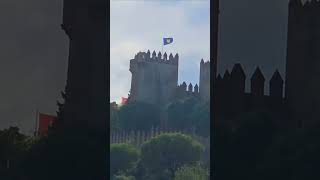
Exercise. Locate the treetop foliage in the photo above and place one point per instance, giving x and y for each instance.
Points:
(123, 157)
(138, 116)
(192, 172)
(168, 152)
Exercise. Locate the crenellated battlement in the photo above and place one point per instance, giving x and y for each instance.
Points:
(205, 64)
(235, 82)
(231, 100)
(189, 89)
(157, 58)
(184, 90)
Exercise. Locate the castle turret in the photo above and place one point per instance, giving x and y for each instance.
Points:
(257, 83)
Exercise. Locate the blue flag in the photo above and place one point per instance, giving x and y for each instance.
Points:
(167, 41)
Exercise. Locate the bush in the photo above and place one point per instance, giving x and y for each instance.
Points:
(195, 172)
(138, 116)
(179, 113)
(123, 157)
(168, 152)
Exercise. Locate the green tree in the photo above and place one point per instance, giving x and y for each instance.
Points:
(180, 113)
(13, 147)
(195, 172)
(200, 116)
(168, 152)
(74, 154)
(123, 157)
(114, 117)
(139, 116)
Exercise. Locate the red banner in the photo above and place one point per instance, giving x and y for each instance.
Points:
(45, 121)
(124, 100)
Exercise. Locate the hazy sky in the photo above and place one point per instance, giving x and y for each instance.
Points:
(141, 25)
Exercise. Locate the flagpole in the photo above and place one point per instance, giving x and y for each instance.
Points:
(162, 49)
(162, 46)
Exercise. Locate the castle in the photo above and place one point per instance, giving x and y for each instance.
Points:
(293, 101)
(155, 79)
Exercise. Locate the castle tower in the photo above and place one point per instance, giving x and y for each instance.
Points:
(85, 24)
(302, 68)
(154, 79)
(204, 82)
